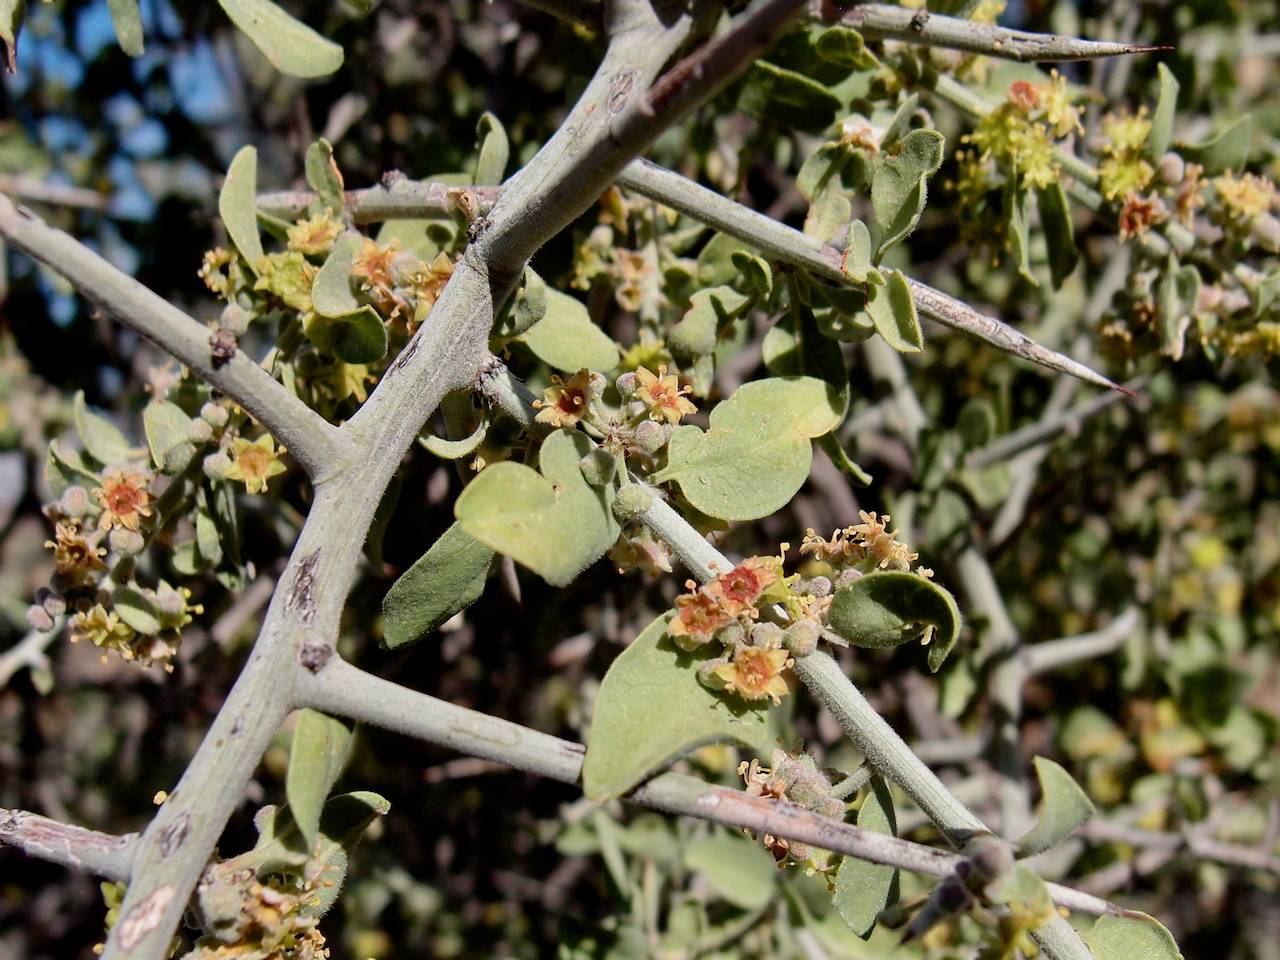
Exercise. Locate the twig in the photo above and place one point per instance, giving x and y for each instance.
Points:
(877, 21)
(1067, 651)
(375, 204)
(41, 191)
(1260, 857)
(29, 652)
(313, 441)
(75, 847)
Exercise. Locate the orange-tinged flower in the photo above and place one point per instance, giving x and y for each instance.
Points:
(76, 556)
(563, 404)
(1024, 95)
(124, 498)
(755, 673)
(373, 264)
(316, 235)
(1139, 214)
(429, 283)
(663, 395)
(698, 616)
(255, 463)
(740, 588)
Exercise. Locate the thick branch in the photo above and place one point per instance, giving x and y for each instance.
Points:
(75, 847)
(34, 190)
(878, 21)
(313, 441)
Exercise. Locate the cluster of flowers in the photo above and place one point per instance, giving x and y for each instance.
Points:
(795, 779)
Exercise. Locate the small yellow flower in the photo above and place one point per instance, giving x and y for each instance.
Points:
(663, 395)
(255, 463)
(316, 235)
(373, 264)
(1062, 116)
(289, 276)
(124, 498)
(428, 284)
(215, 271)
(1245, 198)
(76, 556)
(755, 673)
(103, 629)
(563, 404)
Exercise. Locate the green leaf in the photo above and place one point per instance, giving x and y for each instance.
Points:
(351, 331)
(324, 177)
(831, 445)
(524, 309)
(898, 190)
(894, 314)
(651, 709)
(1162, 120)
(1018, 237)
(696, 332)
(101, 438)
(13, 13)
(126, 17)
(1063, 809)
(1229, 150)
(455, 449)
(137, 610)
(345, 819)
(787, 98)
(65, 467)
(890, 607)
(736, 869)
(567, 340)
(316, 757)
(864, 889)
(449, 577)
(900, 122)
(757, 452)
(1134, 936)
(857, 264)
(828, 215)
(208, 541)
(822, 168)
(167, 428)
(1059, 232)
(236, 206)
(291, 46)
(844, 47)
(755, 271)
(553, 522)
(494, 150)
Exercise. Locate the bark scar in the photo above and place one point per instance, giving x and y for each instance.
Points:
(301, 596)
(144, 918)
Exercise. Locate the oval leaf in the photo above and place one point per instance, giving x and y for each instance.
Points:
(553, 522)
(1064, 808)
(137, 610)
(316, 758)
(449, 577)
(1059, 232)
(324, 177)
(894, 314)
(101, 438)
(236, 206)
(455, 449)
(566, 339)
(290, 45)
(863, 889)
(757, 452)
(167, 429)
(1162, 120)
(126, 17)
(890, 607)
(651, 709)
(1134, 936)
(898, 189)
(494, 150)
(738, 870)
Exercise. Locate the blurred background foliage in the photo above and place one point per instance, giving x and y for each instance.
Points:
(1169, 501)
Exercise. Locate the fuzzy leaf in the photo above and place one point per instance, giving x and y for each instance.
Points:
(494, 150)
(324, 177)
(167, 428)
(1064, 807)
(1134, 936)
(137, 610)
(899, 189)
(1018, 237)
(894, 314)
(208, 543)
(449, 577)
(757, 452)
(890, 607)
(525, 308)
(695, 333)
(844, 47)
(101, 438)
(651, 709)
(316, 757)
(126, 17)
(455, 449)
(1229, 150)
(897, 126)
(12, 15)
(350, 330)
(566, 339)
(292, 47)
(1059, 233)
(735, 868)
(1162, 120)
(553, 522)
(822, 168)
(787, 98)
(65, 467)
(864, 889)
(342, 824)
(236, 206)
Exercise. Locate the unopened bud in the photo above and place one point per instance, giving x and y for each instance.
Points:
(815, 586)
(75, 501)
(990, 858)
(39, 618)
(598, 467)
(1172, 168)
(54, 603)
(626, 385)
(732, 635)
(171, 603)
(801, 638)
(1266, 230)
(126, 542)
(200, 432)
(846, 577)
(405, 269)
(651, 436)
(235, 319)
(215, 415)
(767, 636)
(216, 465)
(631, 501)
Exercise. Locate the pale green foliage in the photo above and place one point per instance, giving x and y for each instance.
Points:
(738, 870)
(1063, 809)
(891, 607)
(566, 339)
(320, 748)
(863, 889)
(237, 206)
(449, 577)
(1131, 938)
(290, 45)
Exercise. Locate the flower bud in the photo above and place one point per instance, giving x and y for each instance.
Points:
(801, 638)
(405, 269)
(171, 603)
(1172, 168)
(651, 436)
(815, 586)
(767, 636)
(54, 604)
(215, 415)
(216, 465)
(1266, 230)
(39, 618)
(989, 858)
(75, 501)
(598, 467)
(235, 319)
(631, 501)
(846, 577)
(126, 542)
(626, 385)
(732, 634)
(200, 432)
